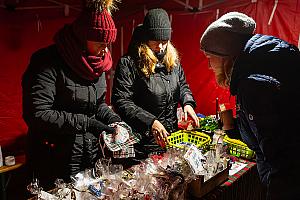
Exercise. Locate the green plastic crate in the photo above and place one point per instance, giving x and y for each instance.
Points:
(201, 140)
(238, 148)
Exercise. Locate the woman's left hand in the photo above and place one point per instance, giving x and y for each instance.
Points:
(188, 110)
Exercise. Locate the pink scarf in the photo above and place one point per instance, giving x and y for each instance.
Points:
(85, 66)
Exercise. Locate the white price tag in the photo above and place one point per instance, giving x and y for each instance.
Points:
(194, 157)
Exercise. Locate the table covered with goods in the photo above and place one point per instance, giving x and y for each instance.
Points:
(195, 163)
(242, 183)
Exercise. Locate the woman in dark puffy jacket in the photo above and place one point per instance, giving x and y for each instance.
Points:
(149, 82)
(262, 72)
(64, 91)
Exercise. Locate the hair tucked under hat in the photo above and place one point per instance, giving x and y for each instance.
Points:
(227, 35)
(157, 25)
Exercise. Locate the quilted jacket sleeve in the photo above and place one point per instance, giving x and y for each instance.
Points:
(122, 97)
(106, 114)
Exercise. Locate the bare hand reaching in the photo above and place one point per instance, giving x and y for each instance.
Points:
(160, 133)
(188, 110)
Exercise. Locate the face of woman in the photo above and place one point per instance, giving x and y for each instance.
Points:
(97, 48)
(157, 46)
(214, 62)
(221, 67)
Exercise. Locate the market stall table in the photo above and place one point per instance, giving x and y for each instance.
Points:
(5, 173)
(243, 185)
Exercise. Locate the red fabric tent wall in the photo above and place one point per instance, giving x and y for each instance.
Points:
(19, 38)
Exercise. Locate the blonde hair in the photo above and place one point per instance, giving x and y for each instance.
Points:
(223, 73)
(148, 60)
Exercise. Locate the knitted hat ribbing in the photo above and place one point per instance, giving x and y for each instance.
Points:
(101, 27)
(157, 25)
(227, 35)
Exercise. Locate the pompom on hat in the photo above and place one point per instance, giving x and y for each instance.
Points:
(157, 25)
(227, 35)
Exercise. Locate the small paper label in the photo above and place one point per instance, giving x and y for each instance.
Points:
(194, 157)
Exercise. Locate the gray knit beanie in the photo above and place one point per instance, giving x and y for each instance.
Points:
(157, 25)
(228, 35)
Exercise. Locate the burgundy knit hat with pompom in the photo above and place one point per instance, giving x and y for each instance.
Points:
(95, 22)
(101, 27)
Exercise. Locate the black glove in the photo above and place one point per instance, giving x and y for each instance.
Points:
(96, 127)
(115, 118)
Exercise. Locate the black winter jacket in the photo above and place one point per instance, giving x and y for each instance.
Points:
(57, 105)
(140, 100)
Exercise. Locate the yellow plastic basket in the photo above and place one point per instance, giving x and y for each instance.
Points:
(238, 148)
(200, 139)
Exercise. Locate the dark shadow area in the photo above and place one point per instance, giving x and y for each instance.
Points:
(15, 181)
